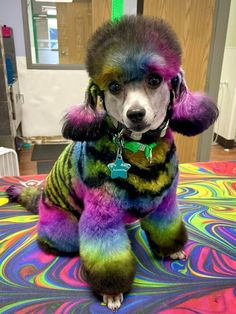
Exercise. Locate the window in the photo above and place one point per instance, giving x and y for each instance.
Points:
(57, 32)
(45, 44)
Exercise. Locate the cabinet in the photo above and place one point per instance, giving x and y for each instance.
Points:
(10, 98)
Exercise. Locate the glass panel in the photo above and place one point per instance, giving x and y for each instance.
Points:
(46, 41)
(59, 31)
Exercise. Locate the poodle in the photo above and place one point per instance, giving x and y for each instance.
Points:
(122, 164)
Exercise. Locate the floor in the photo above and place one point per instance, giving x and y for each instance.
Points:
(219, 153)
(28, 167)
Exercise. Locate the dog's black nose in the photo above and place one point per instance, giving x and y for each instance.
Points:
(136, 114)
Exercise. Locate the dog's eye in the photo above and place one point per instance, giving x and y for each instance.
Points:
(115, 88)
(154, 80)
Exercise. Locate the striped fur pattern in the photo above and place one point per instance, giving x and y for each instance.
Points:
(81, 197)
(82, 210)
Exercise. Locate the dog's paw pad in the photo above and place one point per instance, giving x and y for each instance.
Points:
(178, 255)
(113, 302)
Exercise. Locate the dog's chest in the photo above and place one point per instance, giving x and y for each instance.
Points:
(146, 181)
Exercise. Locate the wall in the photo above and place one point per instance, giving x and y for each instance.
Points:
(231, 37)
(10, 14)
(47, 96)
(130, 7)
(226, 124)
(47, 93)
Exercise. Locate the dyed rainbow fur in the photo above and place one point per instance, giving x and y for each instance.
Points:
(82, 210)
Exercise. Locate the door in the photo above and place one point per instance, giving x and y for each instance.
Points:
(192, 20)
(75, 22)
(101, 12)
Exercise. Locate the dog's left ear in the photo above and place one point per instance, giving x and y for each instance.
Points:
(192, 112)
(86, 122)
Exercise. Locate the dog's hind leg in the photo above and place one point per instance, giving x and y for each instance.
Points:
(104, 246)
(57, 230)
(165, 229)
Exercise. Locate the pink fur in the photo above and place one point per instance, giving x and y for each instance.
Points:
(83, 115)
(193, 112)
(83, 123)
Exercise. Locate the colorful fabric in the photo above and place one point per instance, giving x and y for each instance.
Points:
(33, 282)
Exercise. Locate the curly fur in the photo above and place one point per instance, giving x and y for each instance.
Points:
(82, 209)
(147, 38)
(152, 47)
(193, 113)
(82, 123)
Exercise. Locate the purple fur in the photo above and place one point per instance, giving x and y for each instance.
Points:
(166, 72)
(82, 123)
(171, 65)
(101, 209)
(167, 209)
(63, 230)
(83, 115)
(13, 193)
(192, 112)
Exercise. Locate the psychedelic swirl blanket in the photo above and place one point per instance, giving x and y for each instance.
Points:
(33, 282)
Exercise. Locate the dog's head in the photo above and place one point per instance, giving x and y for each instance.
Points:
(134, 66)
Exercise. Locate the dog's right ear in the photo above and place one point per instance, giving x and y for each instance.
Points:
(85, 122)
(192, 112)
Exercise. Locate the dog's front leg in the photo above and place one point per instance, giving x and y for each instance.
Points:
(165, 229)
(105, 248)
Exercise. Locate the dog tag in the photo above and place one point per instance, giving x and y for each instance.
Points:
(119, 168)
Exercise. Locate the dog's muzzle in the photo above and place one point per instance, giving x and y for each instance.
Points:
(136, 115)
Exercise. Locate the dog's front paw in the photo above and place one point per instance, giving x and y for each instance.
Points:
(113, 302)
(178, 255)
